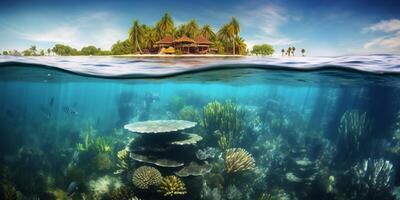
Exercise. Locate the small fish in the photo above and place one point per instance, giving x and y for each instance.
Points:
(72, 188)
(70, 111)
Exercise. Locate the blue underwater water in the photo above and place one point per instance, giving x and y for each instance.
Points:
(269, 128)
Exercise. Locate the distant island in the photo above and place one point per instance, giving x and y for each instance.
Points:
(164, 38)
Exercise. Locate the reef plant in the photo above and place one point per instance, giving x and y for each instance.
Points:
(189, 113)
(172, 186)
(145, 177)
(238, 160)
(226, 119)
(373, 178)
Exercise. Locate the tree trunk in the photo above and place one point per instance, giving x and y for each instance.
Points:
(233, 45)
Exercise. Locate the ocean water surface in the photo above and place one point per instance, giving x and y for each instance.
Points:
(200, 128)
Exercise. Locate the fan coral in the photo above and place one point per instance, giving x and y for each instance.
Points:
(353, 126)
(172, 185)
(237, 160)
(146, 176)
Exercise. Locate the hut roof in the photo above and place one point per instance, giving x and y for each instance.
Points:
(184, 39)
(202, 40)
(166, 40)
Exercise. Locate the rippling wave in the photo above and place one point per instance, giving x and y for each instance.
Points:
(130, 67)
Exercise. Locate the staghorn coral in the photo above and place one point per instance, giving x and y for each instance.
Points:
(145, 177)
(237, 160)
(172, 186)
(123, 193)
(103, 185)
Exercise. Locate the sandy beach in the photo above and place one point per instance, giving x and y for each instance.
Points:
(179, 56)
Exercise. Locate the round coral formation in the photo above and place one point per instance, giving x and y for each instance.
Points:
(145, 177)
(172, 186)
(237, 160)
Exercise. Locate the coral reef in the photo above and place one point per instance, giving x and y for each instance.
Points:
(122, 164)
(123, 193)
(172, 186)
(145, 177)
(103, 185)
(206, 153)
(373, 178)
(238, 160)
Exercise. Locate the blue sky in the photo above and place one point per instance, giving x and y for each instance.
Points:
(323, 27)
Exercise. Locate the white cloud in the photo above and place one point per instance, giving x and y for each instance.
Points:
(390, 41)
(267, 19)
(89, 29)
(386, 26)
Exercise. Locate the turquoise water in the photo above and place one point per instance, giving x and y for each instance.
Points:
(311, 128)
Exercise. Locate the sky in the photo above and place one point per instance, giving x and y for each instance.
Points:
(322, 27)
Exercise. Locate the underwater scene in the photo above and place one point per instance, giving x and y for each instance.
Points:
(231, 132)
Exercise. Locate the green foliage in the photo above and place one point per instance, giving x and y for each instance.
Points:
(263, 49)
(121, 48)
(64, 50)
(90, 50)
(5, 52)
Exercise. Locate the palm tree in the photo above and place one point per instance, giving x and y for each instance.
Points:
(234, 30)
(192, 29)
(241, 46)
(165, 26)
(289, 50)
(48, 51)
(149, 37)
(33, 49)
(303, 51)
(283, 51)
(207, 32)
(136, 36)
(293, 49)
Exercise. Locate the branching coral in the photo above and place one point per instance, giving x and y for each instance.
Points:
(172, 186)
(225, 118)
(237, 160)
(7, 192)
(122, 164)
(145, 177)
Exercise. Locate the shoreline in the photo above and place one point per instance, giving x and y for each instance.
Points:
(180, 56)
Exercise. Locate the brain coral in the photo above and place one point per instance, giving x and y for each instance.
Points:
(146, 176)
